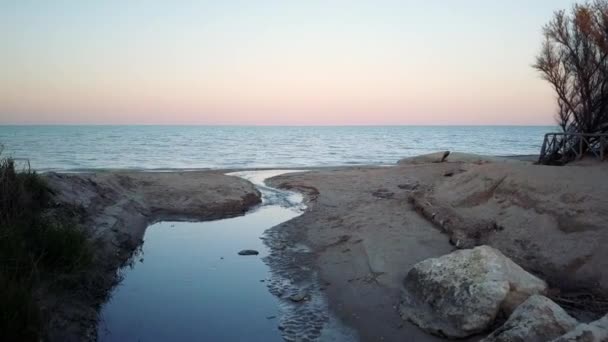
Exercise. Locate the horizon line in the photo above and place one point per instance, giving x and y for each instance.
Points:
(278, 125)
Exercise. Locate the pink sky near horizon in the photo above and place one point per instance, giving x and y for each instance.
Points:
(281, 63)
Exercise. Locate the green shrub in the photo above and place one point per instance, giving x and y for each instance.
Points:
(40, 245)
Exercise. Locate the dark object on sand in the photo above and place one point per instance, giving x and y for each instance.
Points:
(383, 193)
(249, 252)
(445, 156)
(408, 186)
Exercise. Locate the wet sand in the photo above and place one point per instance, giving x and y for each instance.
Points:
(365, 236)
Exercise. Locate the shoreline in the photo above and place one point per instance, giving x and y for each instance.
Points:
(365, 227)
(519, 157)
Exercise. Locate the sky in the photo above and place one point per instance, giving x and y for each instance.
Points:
(431, 62)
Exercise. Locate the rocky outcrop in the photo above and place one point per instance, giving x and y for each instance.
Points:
(461, 294)
(593, 332)
(538, 319)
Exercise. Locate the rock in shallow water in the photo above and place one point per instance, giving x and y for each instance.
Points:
(249, 252)
(298, 297)
(460, 294)
(538, 319)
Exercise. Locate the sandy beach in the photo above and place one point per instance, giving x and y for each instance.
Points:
(304, 171)
(365, 236)
(369, 226)
(365, 228)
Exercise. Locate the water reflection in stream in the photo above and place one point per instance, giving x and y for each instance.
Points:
(188, 283)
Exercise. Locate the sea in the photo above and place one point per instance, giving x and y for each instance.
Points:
(85, 148)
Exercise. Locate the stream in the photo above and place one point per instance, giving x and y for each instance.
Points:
(189, 283)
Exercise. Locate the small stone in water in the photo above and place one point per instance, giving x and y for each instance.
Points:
(298, 297)
(249, 252)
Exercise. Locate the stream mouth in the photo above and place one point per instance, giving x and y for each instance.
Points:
(188, 282)
(293, 201)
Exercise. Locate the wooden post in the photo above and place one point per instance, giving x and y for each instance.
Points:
(543, 149)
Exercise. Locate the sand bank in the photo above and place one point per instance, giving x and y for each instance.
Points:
(368, 226)
(364, 235)
(550, 220)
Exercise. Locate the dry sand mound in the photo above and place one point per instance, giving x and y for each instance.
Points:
(550, 220)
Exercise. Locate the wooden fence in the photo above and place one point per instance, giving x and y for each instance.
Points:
(560, 148)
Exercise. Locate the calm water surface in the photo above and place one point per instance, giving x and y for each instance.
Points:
(191, 147)
(191, 285)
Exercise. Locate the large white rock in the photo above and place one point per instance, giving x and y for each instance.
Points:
(593, 332)
(538, 319)
(460, 294)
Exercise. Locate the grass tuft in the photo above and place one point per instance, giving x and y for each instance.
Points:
(39, 244)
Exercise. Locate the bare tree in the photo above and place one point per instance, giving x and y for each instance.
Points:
(574, 60)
